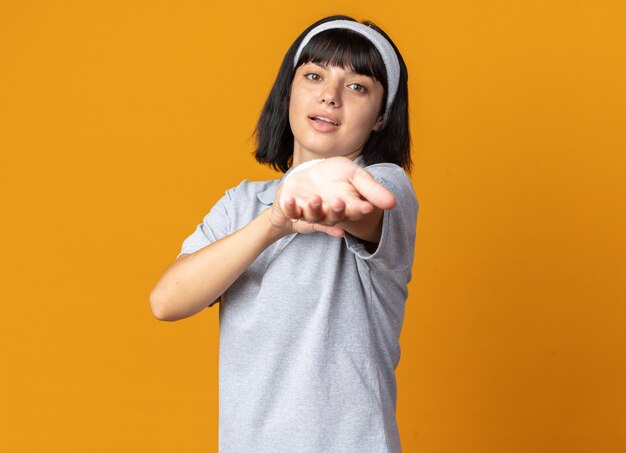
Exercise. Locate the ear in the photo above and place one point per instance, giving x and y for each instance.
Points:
(379, 124)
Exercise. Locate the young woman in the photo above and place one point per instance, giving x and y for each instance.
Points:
(312, 269)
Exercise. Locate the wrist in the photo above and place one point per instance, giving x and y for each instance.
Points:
(275, 229)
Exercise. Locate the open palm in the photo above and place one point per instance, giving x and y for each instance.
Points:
(332, 191)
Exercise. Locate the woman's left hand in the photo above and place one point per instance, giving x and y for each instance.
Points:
(332, 191)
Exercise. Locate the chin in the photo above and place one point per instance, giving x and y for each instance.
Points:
(318, 147)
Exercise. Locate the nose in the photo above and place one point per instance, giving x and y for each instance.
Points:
(330, 94)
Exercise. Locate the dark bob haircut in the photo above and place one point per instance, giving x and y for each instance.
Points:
(346, 49)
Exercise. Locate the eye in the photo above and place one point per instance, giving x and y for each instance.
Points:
(312, 76)
(358, 87)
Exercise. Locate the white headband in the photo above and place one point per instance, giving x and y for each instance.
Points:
(390, 59)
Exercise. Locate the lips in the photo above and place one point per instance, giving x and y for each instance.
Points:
(325, 118)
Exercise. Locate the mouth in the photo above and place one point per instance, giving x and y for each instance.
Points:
(324, 119)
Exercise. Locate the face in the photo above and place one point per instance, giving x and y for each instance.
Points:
(332, 111)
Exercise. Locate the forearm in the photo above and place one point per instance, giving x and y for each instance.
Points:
(192, 282)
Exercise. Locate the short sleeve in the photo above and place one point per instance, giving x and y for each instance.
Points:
(395, 249)
(214, 226)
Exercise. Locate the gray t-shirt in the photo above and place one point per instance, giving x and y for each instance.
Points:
(309, 332)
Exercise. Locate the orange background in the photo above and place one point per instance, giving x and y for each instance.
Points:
(122, 122)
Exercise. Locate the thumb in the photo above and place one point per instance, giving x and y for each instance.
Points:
(372, 190)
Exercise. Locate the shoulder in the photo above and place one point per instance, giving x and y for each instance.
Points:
(247, 190)
(247, 186)
(388, 171)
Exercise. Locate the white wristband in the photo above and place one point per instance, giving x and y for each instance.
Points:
(302, 166)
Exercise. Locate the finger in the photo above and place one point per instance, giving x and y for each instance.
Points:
(372, 190)
(366, 207)
(334, 230)
(313, 211)
(291, 209)
(357, 209)
(335, 212)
